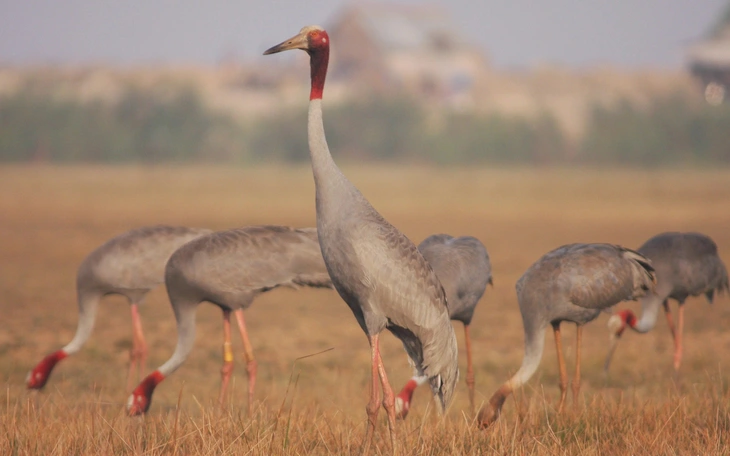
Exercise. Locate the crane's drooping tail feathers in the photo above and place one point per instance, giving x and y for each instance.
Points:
(644, 274)
(429, 354)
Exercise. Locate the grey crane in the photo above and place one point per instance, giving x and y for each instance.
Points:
(377, 270)
(130, 265)
(572, 283)
(230, 269)
(463, 268)
(687, 264)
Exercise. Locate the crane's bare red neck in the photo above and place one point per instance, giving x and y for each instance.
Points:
(149, 384)
(319, 56)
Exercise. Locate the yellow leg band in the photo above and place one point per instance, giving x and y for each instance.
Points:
(227, 352)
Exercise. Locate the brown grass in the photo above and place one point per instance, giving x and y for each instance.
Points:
(50, 218)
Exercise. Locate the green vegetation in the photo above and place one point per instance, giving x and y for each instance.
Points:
(174, 124)
(142, 126)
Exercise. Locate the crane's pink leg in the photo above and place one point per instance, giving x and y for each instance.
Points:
(251, 365)
(227, 368)
(374, 405)
(678, 339)
(138, 352)
(561, 366)
(388, 402)
(469, 369)
(576, 379)
(670, 322)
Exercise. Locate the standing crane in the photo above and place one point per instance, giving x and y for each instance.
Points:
(130, 265)
(230, 269)
(687, 264)
(463, 268)
(572, 283)
(377, 270)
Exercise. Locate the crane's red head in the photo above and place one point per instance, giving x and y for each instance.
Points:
(38, 377)
(316, 42)
(141, 398)
(618, 322)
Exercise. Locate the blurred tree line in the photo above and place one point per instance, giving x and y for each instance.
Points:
(149, 126)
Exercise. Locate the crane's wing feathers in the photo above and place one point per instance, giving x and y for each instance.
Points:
(255, 258)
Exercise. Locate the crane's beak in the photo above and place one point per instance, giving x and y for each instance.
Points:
(616, 327)
(612, 344)
(299, 41)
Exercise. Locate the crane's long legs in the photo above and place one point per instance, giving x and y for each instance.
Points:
(561, 366)
(576, 379)
(251, 365)
(227, 368)
(138, 352)
(388, 402)
(678, 338)
(670, 322)
(469, 369)
(374, 405)
(676, 332)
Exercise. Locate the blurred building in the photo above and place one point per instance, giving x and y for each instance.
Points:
(413, 49)
(709, 60)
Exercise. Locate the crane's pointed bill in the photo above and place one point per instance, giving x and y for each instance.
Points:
(299, 41)
(613, 343)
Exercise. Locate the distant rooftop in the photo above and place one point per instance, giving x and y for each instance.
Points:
(407, 27)
(714, 51)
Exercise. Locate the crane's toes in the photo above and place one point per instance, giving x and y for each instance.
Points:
(401, 408)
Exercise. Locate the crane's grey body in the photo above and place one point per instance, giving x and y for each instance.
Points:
(231, 268)
(463, 268)
(687, 264)
(130, 265)
(576, 282)
(572, 283)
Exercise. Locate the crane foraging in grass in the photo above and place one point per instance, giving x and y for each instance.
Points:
(377, 270)
(571, 283)
(463, 268)
(130, 265)
(686, 264)
(230, 269)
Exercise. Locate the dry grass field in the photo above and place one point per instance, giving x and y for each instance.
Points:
(51, 217)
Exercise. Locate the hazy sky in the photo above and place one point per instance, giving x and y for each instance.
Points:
(513, 32)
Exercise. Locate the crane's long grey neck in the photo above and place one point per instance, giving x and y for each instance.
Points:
(322, 162)
(534, 346)
(327, 176)
(649, 312)
(88, 303)
(185, 316)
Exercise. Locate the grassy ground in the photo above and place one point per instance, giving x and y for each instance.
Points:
(50, 218)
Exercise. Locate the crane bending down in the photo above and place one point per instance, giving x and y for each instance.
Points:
(230, 269)
(463, 268)
(687, 264)
(571, 283)
(130, 265)
(377, 270)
